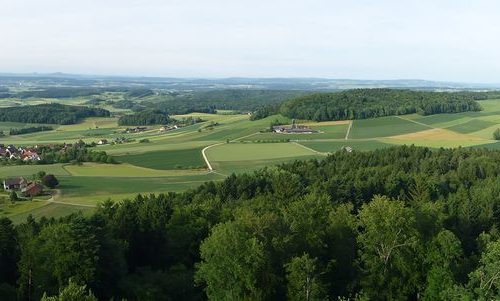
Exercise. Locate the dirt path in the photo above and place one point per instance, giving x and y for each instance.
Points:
(310, 149)
(420, 123)
(203, 152)
(54, 197)
(349, 130)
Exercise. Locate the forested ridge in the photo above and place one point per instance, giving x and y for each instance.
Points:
(148, 117)
(205, 101)
(370, 103)
(404, 223)
(50, 113)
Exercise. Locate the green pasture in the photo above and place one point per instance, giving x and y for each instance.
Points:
(471, 126)
(383, 127)
(169, 159)
(333, 146)
(48, 210)
(75, 189)
(255, 151)
(29, 170)
(228, 167)
(124, 170)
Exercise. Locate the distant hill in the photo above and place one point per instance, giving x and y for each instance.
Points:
(369, 103)
(35, 80)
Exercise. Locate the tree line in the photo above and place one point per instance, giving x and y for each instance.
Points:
(371, 103)
(50, 113)
(27, 130)
(147, 117)
(404, 223)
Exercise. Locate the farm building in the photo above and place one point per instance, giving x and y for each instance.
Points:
(33, 189)
(293, 129)
(138, 129)
(14, 183)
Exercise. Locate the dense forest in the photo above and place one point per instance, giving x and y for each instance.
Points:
(50, 114)
(148, 117)
(404, 223)
(370, 103)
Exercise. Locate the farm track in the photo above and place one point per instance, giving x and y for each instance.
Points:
(416, 122)
(349, 130)
(52, 200)
(203, 152)
(310, 149)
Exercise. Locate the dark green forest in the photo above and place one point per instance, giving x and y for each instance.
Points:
(371, 103)
(404, 223)
(148, 117)
(50, 113)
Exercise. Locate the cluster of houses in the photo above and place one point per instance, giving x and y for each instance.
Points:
(19, 153)
(138, 129)
(293, 129)
(118, 140)
(26, 188)
(164, 129)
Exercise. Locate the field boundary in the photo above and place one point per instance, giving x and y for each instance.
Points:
(52, 200)
(349, 130)
(308, 148)
(416, 122)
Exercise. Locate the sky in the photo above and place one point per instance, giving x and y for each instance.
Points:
(446, 40)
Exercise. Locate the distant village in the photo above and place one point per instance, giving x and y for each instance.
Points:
(25, 154)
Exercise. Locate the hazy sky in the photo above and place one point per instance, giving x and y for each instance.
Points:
(454, 40)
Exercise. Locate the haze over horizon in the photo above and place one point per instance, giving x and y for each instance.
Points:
(445, 41)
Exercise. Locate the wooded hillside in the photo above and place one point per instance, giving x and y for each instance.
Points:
(369, 103)
(50, 113)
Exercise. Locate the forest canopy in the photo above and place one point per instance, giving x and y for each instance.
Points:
(50, 114)
(148, 117)
(370, 103)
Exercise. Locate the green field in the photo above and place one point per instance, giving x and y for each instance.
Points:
(333, 146)
(169, 159)
(383, 127)
(173, 161)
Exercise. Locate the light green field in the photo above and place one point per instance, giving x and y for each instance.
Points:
(171, 161)
(333, 146)
(255, 151)
(124, 170)
(383, 127)
(28, 170)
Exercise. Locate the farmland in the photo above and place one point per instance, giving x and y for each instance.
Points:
(173, 160)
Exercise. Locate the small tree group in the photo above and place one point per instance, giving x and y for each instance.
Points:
(50, 181)
(496, 134)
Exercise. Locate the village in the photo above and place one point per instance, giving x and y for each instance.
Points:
(25, 154)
